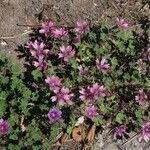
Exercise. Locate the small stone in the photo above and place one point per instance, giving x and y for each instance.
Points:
(3, 43)
(111, 146)
(99, 143)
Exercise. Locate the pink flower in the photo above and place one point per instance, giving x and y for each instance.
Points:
(148, 51)
(77, 38)
(46, 28)
(141, 97)
(90, 112)
(120, 131)
(4, 127)
(40, 64)
(121, 24)
(34, 85)
(98, 91)
(63, 97)
(85, 94)
(66, 53)
(81, 27)
(92, 93)
(37, 49)
(83, 71)
(59, 33)
(144, 133)
(102, 65)
(29, 45)
(53, 82)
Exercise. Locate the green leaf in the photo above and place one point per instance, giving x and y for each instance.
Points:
(139, 115)
(120, 118)
(92, 35)
(36, 74)
(99, 121)
(114, 62)
(12, 120)
(69, 129)
(73, 63)
(13, 136)
(51, 68)
(15, 70)
(4, 80)
(53, 133)
(3, 104)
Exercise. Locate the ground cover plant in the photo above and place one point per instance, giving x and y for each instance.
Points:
(78, 80)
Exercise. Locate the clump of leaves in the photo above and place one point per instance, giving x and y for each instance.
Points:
(76, 78)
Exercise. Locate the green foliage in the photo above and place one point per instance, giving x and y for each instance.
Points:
(120, 117)
(26, 106)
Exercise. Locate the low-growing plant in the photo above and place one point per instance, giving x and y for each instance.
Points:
(77, 79)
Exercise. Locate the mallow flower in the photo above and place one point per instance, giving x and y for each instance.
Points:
(90, 112)
(121, 24)
(148, 51)
(4, 127)
(144, 134)
(54, 114)
(46, 28)
(63, 96)
(37, 49)
(53, 82)
(83, 71)
(141, 97)
(40, 64)
(59, 33)
(66, 52)
(119, 132)
(92, 93)
(81, 27)
(102, 65)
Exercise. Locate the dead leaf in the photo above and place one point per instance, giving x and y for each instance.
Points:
(77, 134)
(23, 128)
(56, 144)
(91, 134)
(64, 138)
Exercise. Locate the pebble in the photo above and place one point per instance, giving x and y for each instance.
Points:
(3, 43)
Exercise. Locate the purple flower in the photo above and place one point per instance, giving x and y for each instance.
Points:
(83, 71)
(53, 82)
(90, 112)
(81, 27)
(98, 91)
(121, 24)
(144, 133)
(66, 53)
(148, 51)
(102, 65)
(141, 97)
(46, 28)
(40, 64)
(120, 131)
(63, 96)
(54, 114)
(4, 127)
(59, 33)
